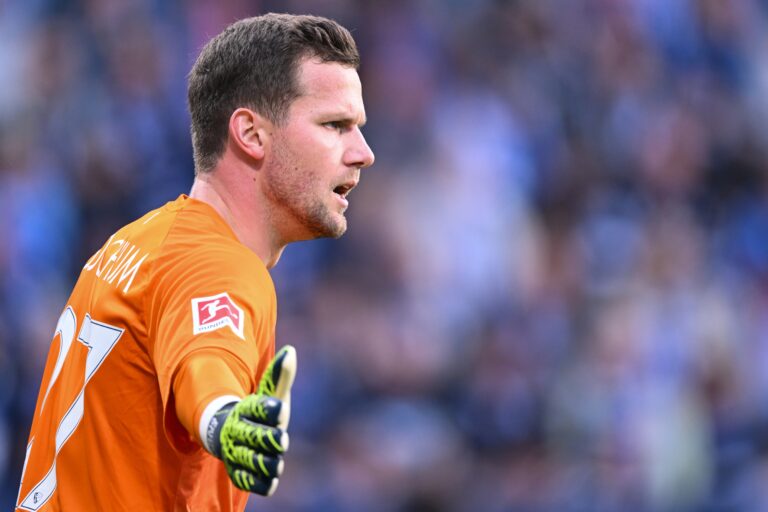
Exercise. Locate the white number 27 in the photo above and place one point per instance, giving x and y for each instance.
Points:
(100, 339)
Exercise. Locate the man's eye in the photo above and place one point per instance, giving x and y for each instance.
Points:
(339, 126)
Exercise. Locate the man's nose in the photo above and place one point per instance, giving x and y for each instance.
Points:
(359, 154)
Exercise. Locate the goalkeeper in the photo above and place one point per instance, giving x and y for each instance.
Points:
(160, 391)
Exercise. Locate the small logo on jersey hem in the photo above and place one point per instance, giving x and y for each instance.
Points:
(215, 312)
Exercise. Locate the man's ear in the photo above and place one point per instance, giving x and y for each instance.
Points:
(249, 133)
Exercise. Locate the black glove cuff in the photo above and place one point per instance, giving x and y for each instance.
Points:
(213, 432)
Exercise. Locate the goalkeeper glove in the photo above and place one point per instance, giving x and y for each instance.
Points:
(250, 436)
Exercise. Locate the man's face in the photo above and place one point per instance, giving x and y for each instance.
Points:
(317, 153)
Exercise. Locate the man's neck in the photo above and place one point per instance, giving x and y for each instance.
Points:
(239, 208)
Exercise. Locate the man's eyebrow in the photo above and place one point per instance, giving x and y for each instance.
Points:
(350, 120)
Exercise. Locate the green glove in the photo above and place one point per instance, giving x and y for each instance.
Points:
(250, 435)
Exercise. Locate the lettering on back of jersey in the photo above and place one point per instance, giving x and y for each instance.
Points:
(122, 263)
(215, 312)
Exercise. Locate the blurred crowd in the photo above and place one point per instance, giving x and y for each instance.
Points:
(553, 295)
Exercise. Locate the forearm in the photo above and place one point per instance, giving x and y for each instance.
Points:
(248, 433)
(204, 382)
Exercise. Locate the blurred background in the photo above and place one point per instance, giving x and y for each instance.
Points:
(553, 295)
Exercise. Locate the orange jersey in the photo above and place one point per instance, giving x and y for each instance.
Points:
(165, 296)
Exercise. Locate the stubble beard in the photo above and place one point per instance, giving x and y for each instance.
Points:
(297, 194)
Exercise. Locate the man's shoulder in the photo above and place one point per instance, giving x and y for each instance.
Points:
(184, 227)
(198, 232)
(197, 241)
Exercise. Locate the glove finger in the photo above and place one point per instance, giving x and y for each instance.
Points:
(261, 409)
(269, 467)
(259, 437)
(261, 464)
(278, 379)
(247, 480)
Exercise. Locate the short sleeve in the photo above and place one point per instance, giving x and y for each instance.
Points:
(217, 298)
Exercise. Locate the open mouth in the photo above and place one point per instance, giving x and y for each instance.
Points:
(344, 189)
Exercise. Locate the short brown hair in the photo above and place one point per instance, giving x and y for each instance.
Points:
(253, 63)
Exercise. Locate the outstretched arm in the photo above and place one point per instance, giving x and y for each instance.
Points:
(248, 434)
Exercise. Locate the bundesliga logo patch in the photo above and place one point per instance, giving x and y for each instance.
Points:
(211, 313)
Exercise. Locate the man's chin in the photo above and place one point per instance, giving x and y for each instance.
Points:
(333, 227)
(339, 233)
(338, 229)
